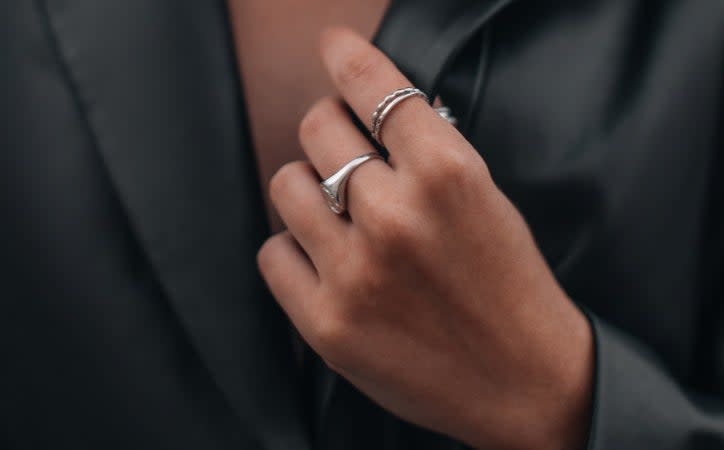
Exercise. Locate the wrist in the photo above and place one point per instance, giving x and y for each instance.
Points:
(571, 415)
(551, 401)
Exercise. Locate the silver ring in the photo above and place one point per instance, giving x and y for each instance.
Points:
(446, 114)
(334, 188)
(389, 102)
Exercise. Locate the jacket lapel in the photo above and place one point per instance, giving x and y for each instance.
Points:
(157, 83)
(423, 38)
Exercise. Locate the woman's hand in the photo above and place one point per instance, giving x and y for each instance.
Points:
(431, 296)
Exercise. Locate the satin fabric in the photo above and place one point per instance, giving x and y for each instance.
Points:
(133, 313)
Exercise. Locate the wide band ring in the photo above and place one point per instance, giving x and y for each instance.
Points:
(334, 188)
(394, 99)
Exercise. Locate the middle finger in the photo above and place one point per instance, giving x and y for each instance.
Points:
(413, 132)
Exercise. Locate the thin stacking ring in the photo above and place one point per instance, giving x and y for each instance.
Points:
(389, 102)
(334, 188)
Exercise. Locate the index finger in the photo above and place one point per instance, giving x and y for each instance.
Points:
(364, 76)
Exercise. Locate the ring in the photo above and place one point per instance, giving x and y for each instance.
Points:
(334, 188)
(391, 101)
(446, 114)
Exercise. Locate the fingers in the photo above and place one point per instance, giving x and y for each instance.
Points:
(295, 192)
(289, 275)
(364, 76)
(331, 140)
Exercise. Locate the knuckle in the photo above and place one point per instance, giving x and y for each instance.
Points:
(361, 278)
(454, 170)
(357, 66)
(347, 276)
(265, 255)
(314, 120)
(329, 334)
(310, 125)
(282, 181)
(451, 170)
(370, 285)
(391, 226)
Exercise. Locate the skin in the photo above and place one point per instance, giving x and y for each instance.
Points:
(277, 49)
(431, 295)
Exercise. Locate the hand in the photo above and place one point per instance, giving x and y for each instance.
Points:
(431, 296)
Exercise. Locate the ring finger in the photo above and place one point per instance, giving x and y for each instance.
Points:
(294, 190)
(330, 139)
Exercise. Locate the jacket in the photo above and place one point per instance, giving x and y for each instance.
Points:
(133, 315)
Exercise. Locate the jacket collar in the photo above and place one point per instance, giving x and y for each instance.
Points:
(158, 86)
(423, 37)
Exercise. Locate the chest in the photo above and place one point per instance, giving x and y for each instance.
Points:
(276, 45)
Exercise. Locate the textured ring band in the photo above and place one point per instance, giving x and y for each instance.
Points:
(388, 104)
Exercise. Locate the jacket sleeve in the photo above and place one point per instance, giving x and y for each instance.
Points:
(637, 405)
